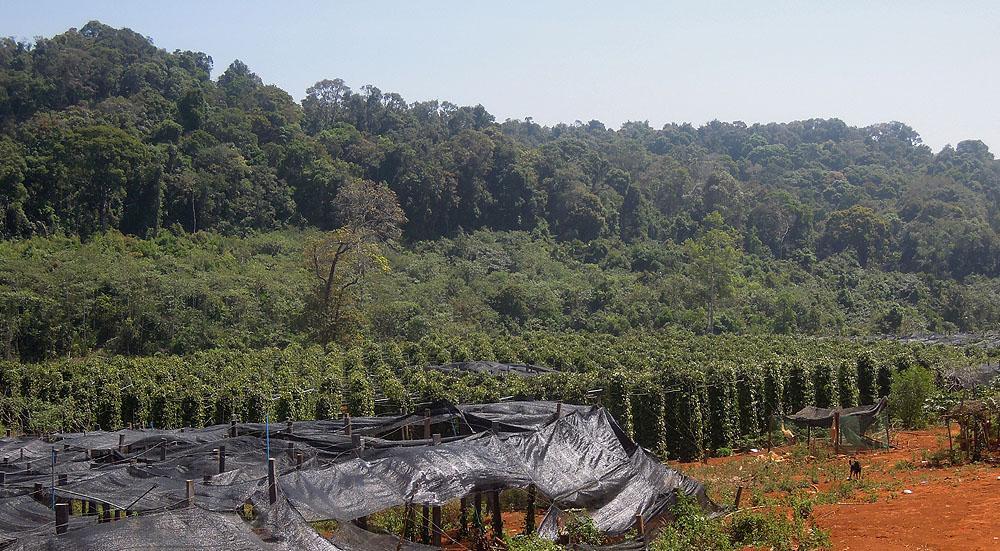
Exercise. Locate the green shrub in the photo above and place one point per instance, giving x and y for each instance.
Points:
(910, 391)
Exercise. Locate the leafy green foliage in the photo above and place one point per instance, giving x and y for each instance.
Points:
(910, 391)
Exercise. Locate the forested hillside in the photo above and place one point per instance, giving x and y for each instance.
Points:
(146, 208)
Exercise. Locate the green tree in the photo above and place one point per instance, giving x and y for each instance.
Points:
(714, 257)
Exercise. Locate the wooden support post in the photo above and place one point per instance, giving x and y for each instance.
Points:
(477, 505)
(406, 527)
(558, 410)
(188, 491)
(427, 424)
(640, 528)
(425, 524)
(163, 449)
(529, 514)
(436, 526)
(347, 424)
(288, 428)
(836, 432)
(887, 421)
(62, 517)
(410, 522)
(222, 459)
(358, 444)
(951, 448)
(272, 483)
(233, 431)
(497, 515)
(770, 432)
(436, 511)
(298, 460)
(39, 493)
(463, 518)
(290, 450)
(739, 498)
(809, 437)
(106, 512)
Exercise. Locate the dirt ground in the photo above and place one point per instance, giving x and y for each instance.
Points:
(949, 507)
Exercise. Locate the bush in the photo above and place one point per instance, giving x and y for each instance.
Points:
(910, 391)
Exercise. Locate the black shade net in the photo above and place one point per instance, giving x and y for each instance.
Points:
(577, 457)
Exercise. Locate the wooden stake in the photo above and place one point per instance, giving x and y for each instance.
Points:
(836, 432)
(410, 522)
(951, 449)
(463, 518)
(739, 498)
(497, 515)
(436, 511)
(407, 526)
(436, 526)
(427, 424)
(163, 449)
(272, 485)
(887, 420)
(222, 459)
(425, 524)
(640, 528)
(529, 514)
(189, 491)
(358, 443)
(62, 517)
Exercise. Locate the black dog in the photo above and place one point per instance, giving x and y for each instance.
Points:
(855, 470)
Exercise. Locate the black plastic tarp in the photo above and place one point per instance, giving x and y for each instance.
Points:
(823, 417)
(576, 456)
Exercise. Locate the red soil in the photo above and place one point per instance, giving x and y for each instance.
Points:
(950, 508)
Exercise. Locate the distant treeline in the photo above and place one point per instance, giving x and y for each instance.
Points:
(809, 226)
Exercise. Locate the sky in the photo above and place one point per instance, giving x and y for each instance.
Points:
(932, 65)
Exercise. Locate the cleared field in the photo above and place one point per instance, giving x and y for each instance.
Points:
(950, 507)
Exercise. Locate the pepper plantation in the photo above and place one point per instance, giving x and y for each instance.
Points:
(677, 394)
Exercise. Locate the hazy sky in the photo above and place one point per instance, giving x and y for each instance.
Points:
(933, 65)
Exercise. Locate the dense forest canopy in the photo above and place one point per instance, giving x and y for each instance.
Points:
(810, 226)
